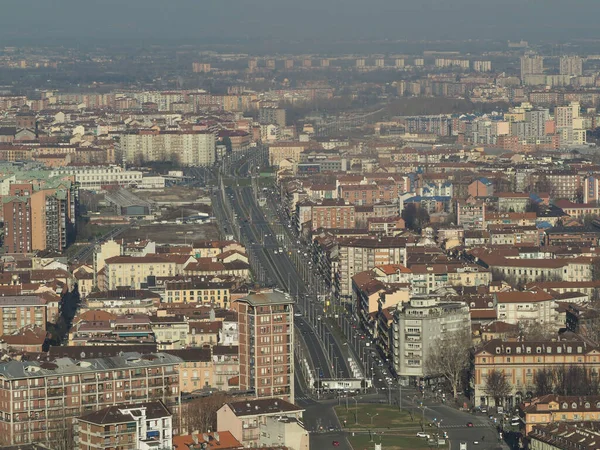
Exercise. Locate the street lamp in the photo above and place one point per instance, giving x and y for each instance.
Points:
(372, 416)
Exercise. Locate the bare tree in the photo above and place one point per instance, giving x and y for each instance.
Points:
(63, 437)
(535, 331)
(201, 414)
(543, 382)
(497, 386)
(449, 357)
(566, 380)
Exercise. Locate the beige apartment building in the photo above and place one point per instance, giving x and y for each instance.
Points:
(132, 271)
(19, 311)
(255, 423)
(188, 148)
(217, 294)
(286, 150)
(520, 361)
(361, 254)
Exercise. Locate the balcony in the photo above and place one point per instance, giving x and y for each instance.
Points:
(56, 392)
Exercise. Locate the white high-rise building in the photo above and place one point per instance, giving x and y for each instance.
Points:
(531, 65)
(571, 65)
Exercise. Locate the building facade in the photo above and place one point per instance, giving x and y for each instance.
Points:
(416, 328)
(39, 399)
(266, 344)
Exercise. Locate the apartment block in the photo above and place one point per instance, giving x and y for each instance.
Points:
(267, 115)
(188, 148)
(39, 399)
(416, 327)
(571, 65)
(140, 426)
(213, 293)
(361, 254)
(266, 344)
(249, 420)
(531, 65)
(38, 217)
(133, 272)
(19, 311)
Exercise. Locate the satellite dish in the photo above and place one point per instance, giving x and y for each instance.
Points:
(82, 354)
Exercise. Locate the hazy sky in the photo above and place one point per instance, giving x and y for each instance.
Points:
(289, 19)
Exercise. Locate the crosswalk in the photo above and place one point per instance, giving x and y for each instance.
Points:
(475, 425)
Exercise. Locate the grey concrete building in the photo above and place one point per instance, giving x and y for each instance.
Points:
(416, 327)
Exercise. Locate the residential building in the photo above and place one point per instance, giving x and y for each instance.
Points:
(188, 148)
(133, 272)
(326, 214)
(571, 65)
(20, 311)
(361, 254)
(248, 420)
(531, 65)
(268, 115)
(266, 348)
(38, 217)
(196, 370)
(509, 202)
(428, 278)
(203, 334)
(197, 291)
(416, 327)
(226, 366)
(558, 436)
(535, 306)
(280, 151)
(520, 360)
(122, 301)
(559, 409)
(39, 398)
(170, 332)
(140, 426)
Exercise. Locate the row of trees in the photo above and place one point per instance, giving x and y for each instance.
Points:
(560, 380)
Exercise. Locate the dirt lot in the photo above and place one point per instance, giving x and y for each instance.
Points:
(174, 194)
(174, 234)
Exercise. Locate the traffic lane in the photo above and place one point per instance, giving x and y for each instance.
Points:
(454, 422)
(314, 347)
(326, 440)
(325, 428)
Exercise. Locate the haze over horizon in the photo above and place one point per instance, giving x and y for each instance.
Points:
(553, 20)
